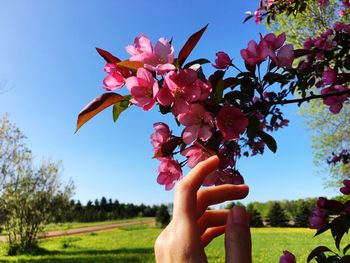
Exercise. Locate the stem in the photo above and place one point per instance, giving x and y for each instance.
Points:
(236, 67)
(312, 97)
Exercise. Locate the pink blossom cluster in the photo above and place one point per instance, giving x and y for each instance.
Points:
(331, 79)
(218, 115)
(270, 46)
(269, 8)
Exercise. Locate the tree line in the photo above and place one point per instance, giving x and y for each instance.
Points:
(107, 209)
(287, 213)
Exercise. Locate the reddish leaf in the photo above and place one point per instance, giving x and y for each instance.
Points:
(190, 44)
(97, 105)
(107, 56)
(301, 52)
(130, 65)
(247, 18)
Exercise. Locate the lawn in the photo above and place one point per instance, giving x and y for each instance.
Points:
(135, 244)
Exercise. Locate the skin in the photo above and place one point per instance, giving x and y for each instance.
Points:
(193, 226)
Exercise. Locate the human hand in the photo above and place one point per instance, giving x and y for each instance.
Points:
(193, 226)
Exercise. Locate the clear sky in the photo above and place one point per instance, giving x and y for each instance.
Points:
(51, 71)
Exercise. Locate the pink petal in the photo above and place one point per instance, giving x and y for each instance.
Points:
(190, 134)
(164, 97)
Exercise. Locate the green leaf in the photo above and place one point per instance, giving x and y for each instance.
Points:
(317, 251)
(121, 106)
(269, 140)
(219, 91)
(346, 248)
(200, 61)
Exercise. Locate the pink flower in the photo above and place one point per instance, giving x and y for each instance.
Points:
(269, 2)
(335, 102)
(339, 26)
(287, 257)
(226, 157)
(198, 124)
(255, 53)
(160, 59)
(219, 177)
(274, 42)
(258, 17)
(329, 76)
(160, 136)
(346, 189)
(196, 154)
(222, 61)
(169, 172)
(143, 88)
(231, 122)
(285, 56)
(323, 2)
(318, 219)
(115, 78)
(181, 89)
(341, 13)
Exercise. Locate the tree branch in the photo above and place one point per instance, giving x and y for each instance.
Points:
(312, 97)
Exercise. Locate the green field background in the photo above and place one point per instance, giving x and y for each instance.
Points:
(135, 244)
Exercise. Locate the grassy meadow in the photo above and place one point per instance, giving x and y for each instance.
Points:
(135, 244)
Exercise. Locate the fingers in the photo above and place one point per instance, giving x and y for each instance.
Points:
(212, 233)
(186, 191)
(197, 175)
(212, 218)
(219, 194)
(237, 237)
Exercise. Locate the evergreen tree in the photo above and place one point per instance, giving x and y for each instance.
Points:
(163, 216)
(302, 216)
(277, 216)
(256, 220)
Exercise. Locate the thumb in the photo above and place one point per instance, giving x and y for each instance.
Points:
(238, 245)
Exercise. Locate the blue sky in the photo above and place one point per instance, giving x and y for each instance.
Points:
(51, 71)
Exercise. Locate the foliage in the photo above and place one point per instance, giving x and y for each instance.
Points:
(231, 116)
(29, 197)
(328, 131)
(304, 20)
(163, 216)
(302, 215)
(277, 216)
(102, 210)
(256, 219)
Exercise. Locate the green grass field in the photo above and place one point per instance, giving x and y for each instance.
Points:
(65, 226)
(135, 244)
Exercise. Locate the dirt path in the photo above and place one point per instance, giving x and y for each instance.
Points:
(88, 229)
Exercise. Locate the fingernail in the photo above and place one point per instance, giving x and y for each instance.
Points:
(239, 215)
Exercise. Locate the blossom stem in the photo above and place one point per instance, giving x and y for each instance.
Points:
(312, 97)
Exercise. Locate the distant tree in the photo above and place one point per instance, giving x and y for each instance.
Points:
(302, 216)
(30, 197)
(97, 204)
(277, 216)
(256, 220)
(103, 204)
(162, 215)
(232, 204)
